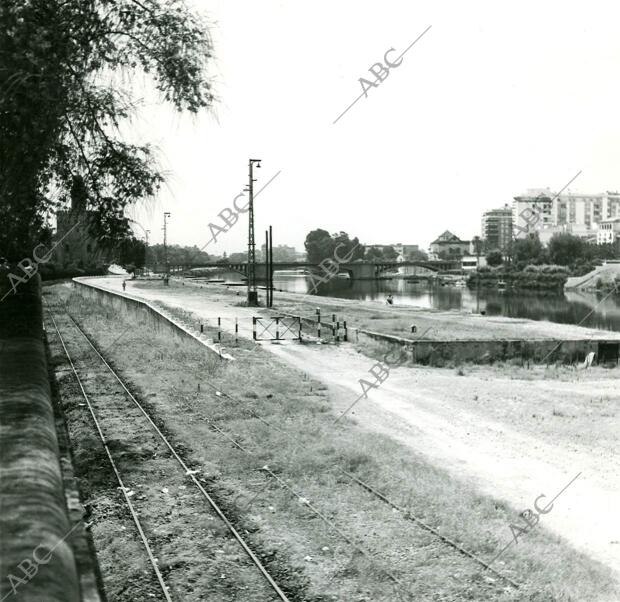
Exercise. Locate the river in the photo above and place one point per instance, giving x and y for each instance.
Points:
(599, 310)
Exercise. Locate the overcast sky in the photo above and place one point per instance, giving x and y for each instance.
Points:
(495, 98)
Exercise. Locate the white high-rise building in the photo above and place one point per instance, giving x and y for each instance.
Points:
(542, 211)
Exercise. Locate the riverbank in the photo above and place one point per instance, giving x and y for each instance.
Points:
(605, 277)
(431, 324)
(467, 478)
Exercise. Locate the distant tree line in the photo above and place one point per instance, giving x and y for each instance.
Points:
(320, 244)
(526, 263)
(177, 255)
(564, 249)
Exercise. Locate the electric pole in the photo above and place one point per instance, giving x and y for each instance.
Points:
(166, 216)
(252, 293)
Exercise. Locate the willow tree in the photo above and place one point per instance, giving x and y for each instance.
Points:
(62, 108)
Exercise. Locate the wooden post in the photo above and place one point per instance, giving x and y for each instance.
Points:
(219, 330)
(318, 322)
(236, 331)
(346, 334)
(277, 329)
(254, 327)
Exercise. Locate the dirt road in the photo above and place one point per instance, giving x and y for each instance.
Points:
(477, 426)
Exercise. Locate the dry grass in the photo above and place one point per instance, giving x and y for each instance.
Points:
(304, 447)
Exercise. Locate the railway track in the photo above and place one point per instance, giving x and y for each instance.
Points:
(117, 416)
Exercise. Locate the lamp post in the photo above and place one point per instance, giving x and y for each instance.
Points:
(252, 293)
(146, 250)
(166, 216)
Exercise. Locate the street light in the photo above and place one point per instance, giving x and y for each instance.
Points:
(146, 250)
(252, 293)
(166, 216)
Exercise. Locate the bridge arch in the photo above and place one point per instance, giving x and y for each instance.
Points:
(418, 268)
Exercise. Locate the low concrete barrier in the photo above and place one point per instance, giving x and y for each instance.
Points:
(546, 351)
(37, 562)
(144, 313)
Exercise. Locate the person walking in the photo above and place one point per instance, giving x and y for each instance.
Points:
(124, 284)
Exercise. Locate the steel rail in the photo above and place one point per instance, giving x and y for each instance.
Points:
(405, 513)
(190, 473)
(134, 515)
(409, 516)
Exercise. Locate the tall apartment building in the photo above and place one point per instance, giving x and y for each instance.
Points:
(540, 210)
(497, 228)
(532, 211)
(586, 209)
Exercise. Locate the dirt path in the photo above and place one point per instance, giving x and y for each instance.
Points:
(430, 410)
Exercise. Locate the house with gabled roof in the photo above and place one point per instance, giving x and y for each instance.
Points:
(448, 245)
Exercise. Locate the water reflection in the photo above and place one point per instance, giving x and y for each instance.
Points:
(589, 309)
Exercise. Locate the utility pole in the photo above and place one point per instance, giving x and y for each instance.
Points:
(477, 248)
(252, 293)
(267, 268)
(166, 216)
(270, 271)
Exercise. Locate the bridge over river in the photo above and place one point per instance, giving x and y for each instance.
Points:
(358, 270)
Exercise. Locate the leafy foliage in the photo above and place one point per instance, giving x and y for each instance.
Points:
(529, 250)
(550, 277)
(495, 258)
(321, 245)
(566, 248)
(62, 105)
(389, 253)
(177, 255)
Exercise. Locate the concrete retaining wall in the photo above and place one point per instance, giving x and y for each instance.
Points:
(144, 315)
(547, 351)
(37, 562)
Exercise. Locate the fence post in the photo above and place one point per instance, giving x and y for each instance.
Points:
(277, 329)
(219, 330)
(333, 326)
(254, 327)
(338, 332)
(202, 329)
(346, 334)
(236, 331)
(299, 318)
(318, 322)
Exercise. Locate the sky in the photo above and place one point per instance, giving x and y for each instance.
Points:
(495, 98)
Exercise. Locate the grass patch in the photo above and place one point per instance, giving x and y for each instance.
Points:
(284, 421)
